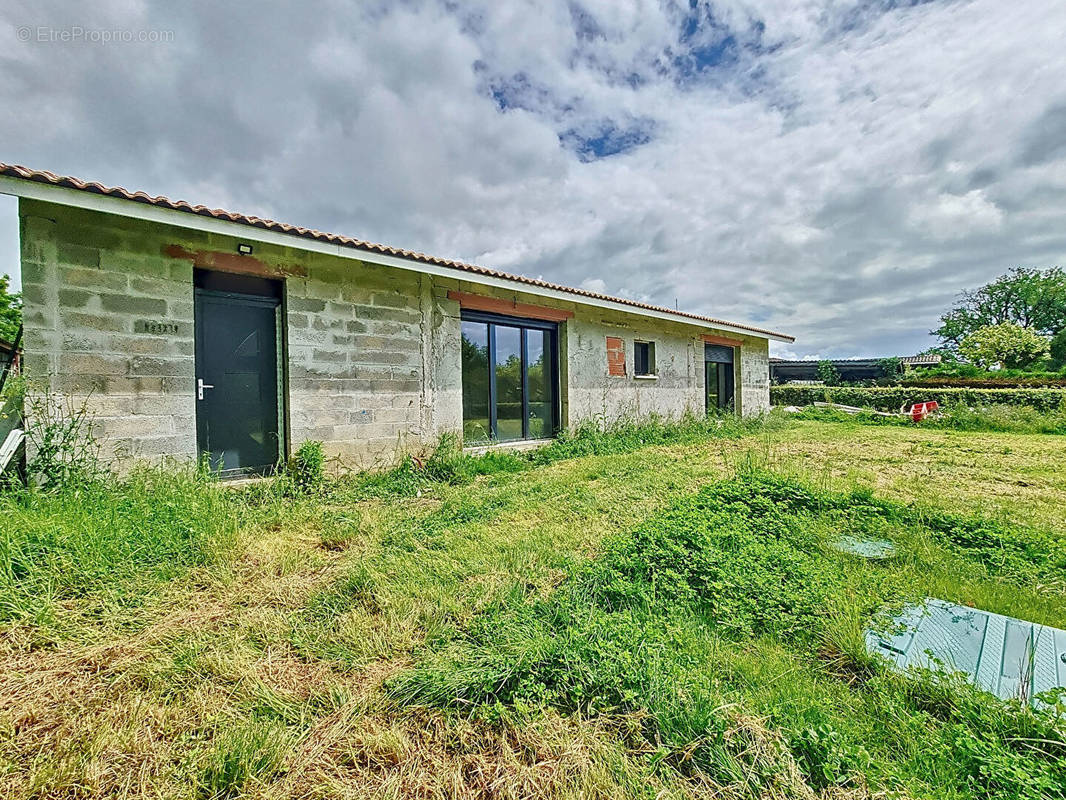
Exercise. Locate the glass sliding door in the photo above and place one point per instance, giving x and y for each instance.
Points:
(510, 378)
(539, 383)
(718, 377)
(476, 426)
(711, 385)
(508, 364)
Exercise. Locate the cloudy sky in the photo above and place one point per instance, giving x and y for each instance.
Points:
(837, 169)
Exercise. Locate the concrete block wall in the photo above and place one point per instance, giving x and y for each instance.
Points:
(753, 382)
(109, 324)
(589, 393)
(356, 359)
(442, 349)
(109, 321)
(676, 389)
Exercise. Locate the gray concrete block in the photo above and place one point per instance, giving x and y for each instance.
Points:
(70, 253)
(126, 304)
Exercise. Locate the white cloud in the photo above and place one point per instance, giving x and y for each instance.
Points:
(953, 216)
(832, 168)
(594, 285)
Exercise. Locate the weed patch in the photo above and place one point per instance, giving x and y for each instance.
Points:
(663, 621)
(250, 752)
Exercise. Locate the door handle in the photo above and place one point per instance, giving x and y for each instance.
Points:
(200, 386)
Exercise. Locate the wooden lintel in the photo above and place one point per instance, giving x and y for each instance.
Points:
(234, 262)
(495, 305)
(722, 340)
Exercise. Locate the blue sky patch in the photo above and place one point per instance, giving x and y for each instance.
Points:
(607, 139)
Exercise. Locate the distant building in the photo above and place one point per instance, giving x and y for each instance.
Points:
(924, 360)
(849, 369)
(8, 353)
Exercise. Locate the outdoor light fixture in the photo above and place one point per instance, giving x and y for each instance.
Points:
(244, 249)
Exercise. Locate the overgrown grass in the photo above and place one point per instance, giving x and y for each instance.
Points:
(281, 612)
(960, 417)
(670, 619)
(448, 463)
(108, 537)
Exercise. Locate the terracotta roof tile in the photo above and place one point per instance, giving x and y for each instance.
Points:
(40, 176)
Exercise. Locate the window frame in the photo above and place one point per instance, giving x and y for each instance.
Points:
(650, 359)
(523, 324)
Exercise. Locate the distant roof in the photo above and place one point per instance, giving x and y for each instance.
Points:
(39, 176)
(816, 361)
(925, 358)
(912, 360)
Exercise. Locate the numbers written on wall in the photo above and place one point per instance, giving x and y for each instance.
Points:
(156, 328)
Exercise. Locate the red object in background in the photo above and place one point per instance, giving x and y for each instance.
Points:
(920, 411)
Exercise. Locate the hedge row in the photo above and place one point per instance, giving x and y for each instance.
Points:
(891, 398)
(943, 382)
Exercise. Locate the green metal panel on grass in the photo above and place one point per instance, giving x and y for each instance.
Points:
(1008, 657)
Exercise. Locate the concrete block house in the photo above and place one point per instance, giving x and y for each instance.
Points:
(195, 332)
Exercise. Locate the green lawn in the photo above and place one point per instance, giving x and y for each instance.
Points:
(661, 621)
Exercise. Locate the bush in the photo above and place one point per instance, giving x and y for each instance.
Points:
(1058, 350)
(892, 398)
(1005, 344)
(62, 451)
(828, 373)
(306, 468)
(999, 419)
(993, 381)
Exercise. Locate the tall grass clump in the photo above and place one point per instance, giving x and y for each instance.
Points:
(109, 536)
(305, 471)
(733, 605)
(241, 756)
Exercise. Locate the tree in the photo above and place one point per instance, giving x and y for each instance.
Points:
(828, 373)
(10, 310)
(1058, 350)
(1006, 344)
(1029, 298)
(890, 367)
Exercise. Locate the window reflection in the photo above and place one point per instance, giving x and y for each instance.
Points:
(475, 382)
(508, 381)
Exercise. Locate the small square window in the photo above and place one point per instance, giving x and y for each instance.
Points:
(643, 358)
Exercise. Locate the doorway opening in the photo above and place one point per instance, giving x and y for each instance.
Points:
(718, 366)
(239, 388)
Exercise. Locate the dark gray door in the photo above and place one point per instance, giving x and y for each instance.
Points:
(237, 381)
